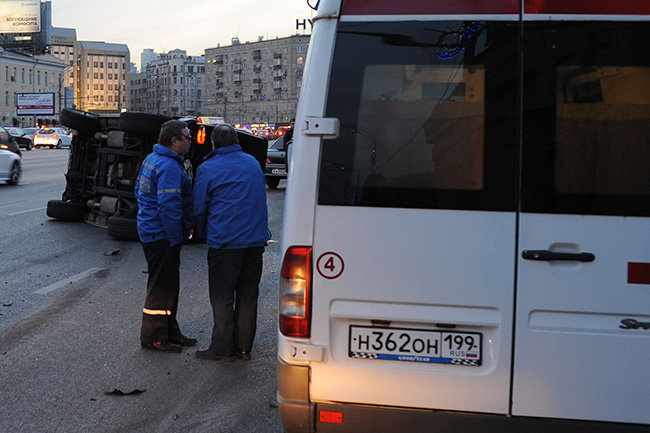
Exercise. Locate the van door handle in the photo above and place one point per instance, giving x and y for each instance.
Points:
(547, 256)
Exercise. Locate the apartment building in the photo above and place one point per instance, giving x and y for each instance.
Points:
(98, 71)
(21, 73)
(255, 82)
(100, 82)
(175, 85)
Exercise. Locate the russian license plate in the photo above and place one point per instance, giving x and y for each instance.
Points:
(279, 171)
(415, 345)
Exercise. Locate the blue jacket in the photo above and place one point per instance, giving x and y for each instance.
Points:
(230, 200)
(164, 194)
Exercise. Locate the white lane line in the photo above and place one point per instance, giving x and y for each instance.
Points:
(26, 211)
(69, 280)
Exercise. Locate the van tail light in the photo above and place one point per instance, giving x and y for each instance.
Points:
(295, 292)
(200, 135)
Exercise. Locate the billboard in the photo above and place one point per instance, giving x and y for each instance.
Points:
(23, 16)
(35, 104)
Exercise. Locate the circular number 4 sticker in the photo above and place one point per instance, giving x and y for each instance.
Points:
(330, 265)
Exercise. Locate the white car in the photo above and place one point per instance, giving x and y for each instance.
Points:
(10, 167)
(52, 137)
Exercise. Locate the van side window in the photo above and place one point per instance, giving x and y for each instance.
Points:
(428, 116)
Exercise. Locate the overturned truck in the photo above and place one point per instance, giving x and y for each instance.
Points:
(105, 158)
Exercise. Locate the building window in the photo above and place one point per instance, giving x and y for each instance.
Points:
(95, 64)
(101, 87)
(300, 49)
(38, 78)
(95, 75)
(95, 87)
(300, 60)
(101, 75)
(7, 97)
(22, 75)
(101, 64)
(6, 73)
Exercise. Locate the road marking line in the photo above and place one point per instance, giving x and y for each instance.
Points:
(69, 280)
(26, 211)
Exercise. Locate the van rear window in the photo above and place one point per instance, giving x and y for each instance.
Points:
(427, 120)
(586, 118)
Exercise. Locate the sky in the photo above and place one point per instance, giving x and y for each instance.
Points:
(193, 26)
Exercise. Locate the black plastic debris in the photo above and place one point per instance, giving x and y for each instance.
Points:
(111, 252)
(7, 305)
(120, 392)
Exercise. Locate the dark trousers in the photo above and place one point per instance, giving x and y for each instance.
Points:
(159, 313)
(234, 276)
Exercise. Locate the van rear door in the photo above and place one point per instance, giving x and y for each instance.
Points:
(583, 316)
(414, 232)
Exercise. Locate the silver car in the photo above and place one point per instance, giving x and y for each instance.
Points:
(52, 138)
(10, 167)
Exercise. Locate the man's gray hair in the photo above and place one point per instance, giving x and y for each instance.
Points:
(224, 135)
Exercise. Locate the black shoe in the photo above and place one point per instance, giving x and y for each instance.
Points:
(162, 346)
(244, 355)
(183, 340)
(212, 356)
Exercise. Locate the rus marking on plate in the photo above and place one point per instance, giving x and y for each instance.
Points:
(330, 265)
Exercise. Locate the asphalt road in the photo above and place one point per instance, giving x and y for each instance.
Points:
(70, 310)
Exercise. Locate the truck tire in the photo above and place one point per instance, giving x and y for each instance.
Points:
(81, 121)
(66, 210)
(142, 123)
(273, 182)
(125, 229)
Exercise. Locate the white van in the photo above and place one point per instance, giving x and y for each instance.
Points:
(466, 230)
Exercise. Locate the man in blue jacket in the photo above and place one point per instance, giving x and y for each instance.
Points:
(230, 210)
(164, 194)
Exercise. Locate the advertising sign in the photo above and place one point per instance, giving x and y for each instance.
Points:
(22, 16)
(28, 104)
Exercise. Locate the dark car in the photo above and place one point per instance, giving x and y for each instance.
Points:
(22, 140)
(7, 142)
(276, 162)
(105, 158)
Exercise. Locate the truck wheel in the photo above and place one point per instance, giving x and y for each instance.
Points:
(273, 182)
(66, 210)
(78, 120)
(142, 123)
(125, 229)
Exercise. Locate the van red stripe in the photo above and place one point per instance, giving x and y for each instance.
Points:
(588, 7)
(638, 273)
(430, 7)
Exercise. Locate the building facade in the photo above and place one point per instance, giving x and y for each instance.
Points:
(175, 85)
(100, 70)
(97, 73)
(29, 74)
(255, 82)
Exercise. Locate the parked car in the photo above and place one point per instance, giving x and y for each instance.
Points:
(105, 158)
(7, 142)
(276, 163)
(22, 140)
(52, 138)
(10, 167)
